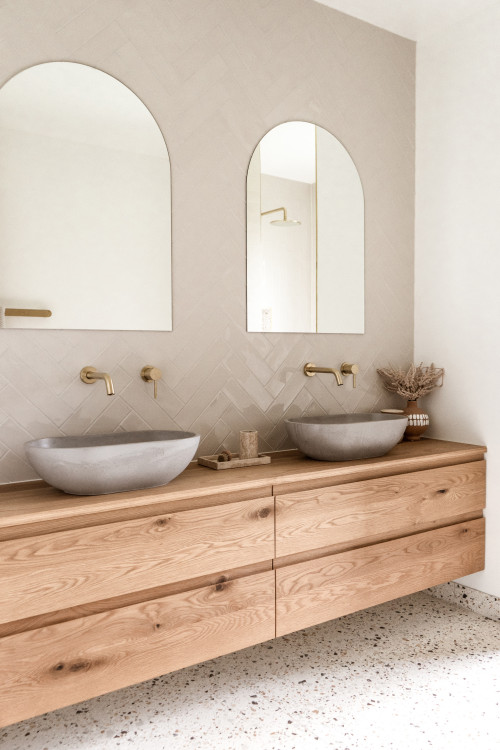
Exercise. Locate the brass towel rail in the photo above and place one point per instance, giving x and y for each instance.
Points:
(21, 312)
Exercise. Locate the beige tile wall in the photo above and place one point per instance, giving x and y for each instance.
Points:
(217, 74)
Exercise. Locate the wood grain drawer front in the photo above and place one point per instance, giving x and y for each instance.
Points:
(393, 505)
(62, 664)
(63, 569)
(317, 590)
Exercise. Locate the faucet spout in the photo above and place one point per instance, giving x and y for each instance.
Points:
(110, 390)
(310, 369)
(337, 376)
(90, 375)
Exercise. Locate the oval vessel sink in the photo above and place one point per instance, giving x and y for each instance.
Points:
(345, 437)
(122, 461)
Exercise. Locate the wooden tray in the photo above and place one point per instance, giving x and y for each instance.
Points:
(235, 463)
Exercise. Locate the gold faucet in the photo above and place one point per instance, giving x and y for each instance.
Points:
(90, 375)
(310, 369)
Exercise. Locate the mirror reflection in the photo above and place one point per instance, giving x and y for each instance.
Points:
(84, 204)
(305, 234)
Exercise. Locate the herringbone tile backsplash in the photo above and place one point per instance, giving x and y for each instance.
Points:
(217, 74)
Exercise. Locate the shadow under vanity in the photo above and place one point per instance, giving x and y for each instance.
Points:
(101, 592)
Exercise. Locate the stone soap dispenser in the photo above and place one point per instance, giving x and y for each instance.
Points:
(249, 444)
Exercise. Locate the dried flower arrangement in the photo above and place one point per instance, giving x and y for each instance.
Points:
(413, 383)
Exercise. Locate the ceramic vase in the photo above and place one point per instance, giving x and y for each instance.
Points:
(418, 421)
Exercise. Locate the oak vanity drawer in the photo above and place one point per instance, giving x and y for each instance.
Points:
(388, 506)
(63, 569)
(69, 662)
(317, 590)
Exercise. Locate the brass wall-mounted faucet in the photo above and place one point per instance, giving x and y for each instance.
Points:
(90, 375)
(310, 369)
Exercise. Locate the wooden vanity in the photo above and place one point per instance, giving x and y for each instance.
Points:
(97, 593)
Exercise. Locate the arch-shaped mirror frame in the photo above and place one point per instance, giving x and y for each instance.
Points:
(57, 253)
(305, 263)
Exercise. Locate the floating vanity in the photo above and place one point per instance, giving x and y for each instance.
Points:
(101, 592)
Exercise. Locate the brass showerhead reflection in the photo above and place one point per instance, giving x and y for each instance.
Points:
(285, 221)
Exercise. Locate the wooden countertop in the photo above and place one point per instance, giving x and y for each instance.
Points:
(34, 507)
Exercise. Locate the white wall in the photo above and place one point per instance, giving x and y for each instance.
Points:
(457, 272)
(85, 233)
(288, 255)
(281, 260)
(341, 239)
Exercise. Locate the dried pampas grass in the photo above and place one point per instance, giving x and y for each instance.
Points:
(413, 383)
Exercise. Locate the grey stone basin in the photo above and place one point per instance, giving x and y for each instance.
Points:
(122, 461)
(345, 437)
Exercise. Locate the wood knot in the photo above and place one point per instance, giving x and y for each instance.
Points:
(161, 522)
(442, 492)
(77, 666)
(80, 666)
(264, 512)
(219, 587)
(157, 625)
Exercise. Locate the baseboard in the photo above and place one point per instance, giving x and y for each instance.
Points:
(479, 602)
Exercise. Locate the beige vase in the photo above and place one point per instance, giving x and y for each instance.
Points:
(418, 421)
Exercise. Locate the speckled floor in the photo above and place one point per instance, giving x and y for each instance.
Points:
(416, 673)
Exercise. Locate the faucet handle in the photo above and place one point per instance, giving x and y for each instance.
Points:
(350, 369)
(151, 374)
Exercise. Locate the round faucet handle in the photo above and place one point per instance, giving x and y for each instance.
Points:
(346, 368)
(149, 373)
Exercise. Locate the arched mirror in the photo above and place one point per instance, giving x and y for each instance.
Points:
(85, 238)
(305, 234)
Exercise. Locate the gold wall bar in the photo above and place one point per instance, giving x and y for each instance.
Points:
(21, 312)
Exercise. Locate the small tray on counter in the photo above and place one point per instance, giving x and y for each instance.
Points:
(235, 463)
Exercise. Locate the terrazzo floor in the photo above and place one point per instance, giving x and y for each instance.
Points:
(415, 673)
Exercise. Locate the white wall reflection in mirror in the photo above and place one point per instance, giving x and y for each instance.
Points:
(305, 234)
(84, 203)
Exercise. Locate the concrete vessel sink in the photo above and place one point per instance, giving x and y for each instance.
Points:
(122, 461)
(345, 437)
